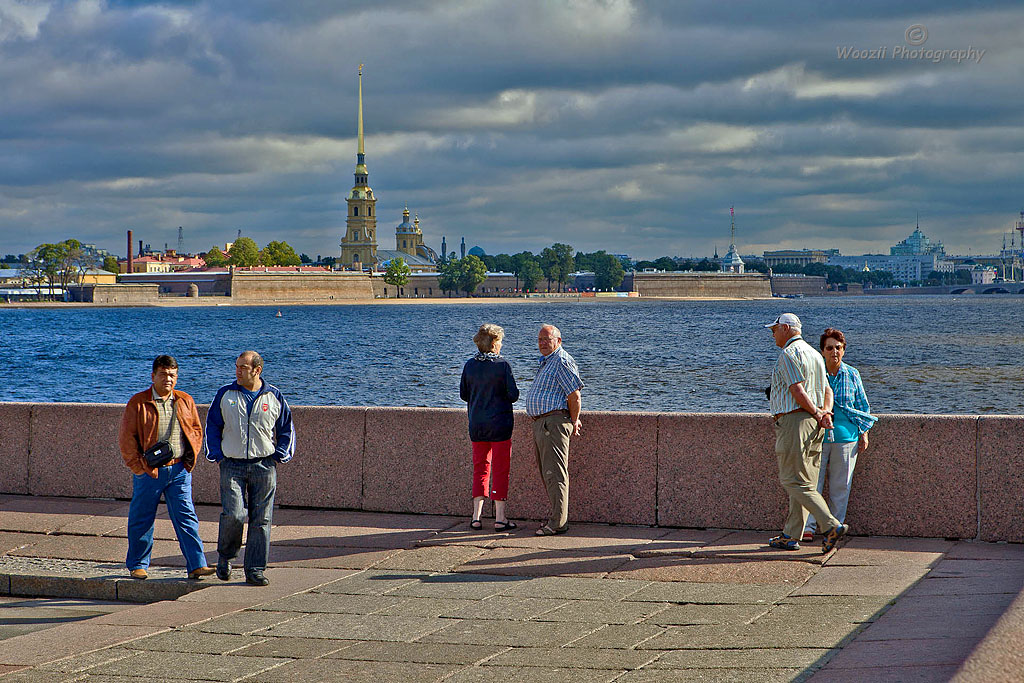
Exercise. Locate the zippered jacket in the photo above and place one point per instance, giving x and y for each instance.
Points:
(138, 430)
(265, 429)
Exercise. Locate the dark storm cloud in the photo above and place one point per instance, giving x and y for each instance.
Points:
(627, 126)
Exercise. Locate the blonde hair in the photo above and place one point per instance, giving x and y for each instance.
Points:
(487, 335)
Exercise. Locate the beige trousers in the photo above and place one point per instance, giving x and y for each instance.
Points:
(551, 444)
(798, 448)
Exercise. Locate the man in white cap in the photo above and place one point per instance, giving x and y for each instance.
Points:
(801, 404)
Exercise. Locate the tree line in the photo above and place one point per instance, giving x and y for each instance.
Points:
(54, 266)
(245, 252)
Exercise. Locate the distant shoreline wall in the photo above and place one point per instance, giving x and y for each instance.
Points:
(924, 475)
(720, 285)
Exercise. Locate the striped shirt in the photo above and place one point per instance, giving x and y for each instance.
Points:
(850, 400)
(798, 362)
(557, 377)
(168, 428)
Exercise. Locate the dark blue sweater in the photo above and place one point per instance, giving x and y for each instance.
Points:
(490, 390)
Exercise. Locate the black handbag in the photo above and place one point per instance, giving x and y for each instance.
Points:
(159, 454)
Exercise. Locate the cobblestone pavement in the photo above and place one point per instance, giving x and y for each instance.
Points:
(380, 597)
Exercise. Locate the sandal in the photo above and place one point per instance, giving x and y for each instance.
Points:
(784, 542)
(545, 531)
(476, 525)
(505, 526)
(833, 536)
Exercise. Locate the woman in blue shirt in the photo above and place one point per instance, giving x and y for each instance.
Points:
(489, 389)
(849, 437)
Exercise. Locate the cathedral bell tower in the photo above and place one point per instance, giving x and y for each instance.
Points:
(359, 243)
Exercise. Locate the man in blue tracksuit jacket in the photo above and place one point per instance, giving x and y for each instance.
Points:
(248, 431)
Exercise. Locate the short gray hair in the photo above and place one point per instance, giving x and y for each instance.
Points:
(487, 335)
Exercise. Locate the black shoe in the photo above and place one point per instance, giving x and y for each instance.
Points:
(223, 570)
(257, 579)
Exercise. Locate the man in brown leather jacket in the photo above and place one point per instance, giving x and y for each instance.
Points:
(161, 413)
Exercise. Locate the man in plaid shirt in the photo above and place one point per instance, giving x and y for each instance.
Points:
(554, 403)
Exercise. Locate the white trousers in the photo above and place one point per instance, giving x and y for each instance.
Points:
(838, 460)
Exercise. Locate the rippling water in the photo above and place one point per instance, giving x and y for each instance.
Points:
(917, 354)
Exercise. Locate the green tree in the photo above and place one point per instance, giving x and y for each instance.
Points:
(244, 252)
(215, 258)
(472, 273)
(518, 260)
(304, 258)
(816, 269)
(566, 264)
(502, 263)
(448, 276)
(608, 273)
(56, 265)
(397, 274)
(279, 254)
(756, 266)
(110, 265)
(707, 265)
(549, 265)
(530, 273)
(666, 264)
(788, 268)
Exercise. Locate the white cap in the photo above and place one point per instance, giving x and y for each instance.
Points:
(786, 319)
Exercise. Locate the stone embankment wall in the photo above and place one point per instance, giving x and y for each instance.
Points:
(702, 285)
(924, 475)
(115, 294)
(299, 287)
(808, 285)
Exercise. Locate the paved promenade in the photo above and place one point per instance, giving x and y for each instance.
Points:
(358, 596)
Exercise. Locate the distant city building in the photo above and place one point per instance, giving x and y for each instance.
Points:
(800, 257)
(731, 262)
(917, 244)
(409, 247)
(477, 251)
(905, 268)
(982, 275)
(359, 243)
(359, 248)
(910, 260)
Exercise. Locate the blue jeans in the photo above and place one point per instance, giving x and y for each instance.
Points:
(246, 492)
(174, 483)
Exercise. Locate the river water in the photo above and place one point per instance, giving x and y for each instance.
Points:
(917, 354)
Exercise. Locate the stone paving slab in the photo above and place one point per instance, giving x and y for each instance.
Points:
(327, 671)
(604, 612)
(66, 640)
(862, 580)
(327, 557)
(903, 674)
(515, 562)
(192, 641)
(489, 674)
(620, 637)
(578, 658)
(708, 675)
(462, 586)
(372, 582)
(433, 558)
(712, 593)
(45, 515)
(358, 627)
(80, 663)
(907, 652)
(753, 658)
(294, 648)
(507, 608)
(689, 615)
(310, 603)
(510, 633)
(560, 587)
(418, 653)
(761, 634)
(716, 570)
(246, 622)
(967, 550)
(426, 607)
(188, 666)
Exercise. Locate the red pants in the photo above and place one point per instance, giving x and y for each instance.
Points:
(482, 462)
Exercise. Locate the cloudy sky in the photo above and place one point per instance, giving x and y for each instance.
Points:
(625, 125)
